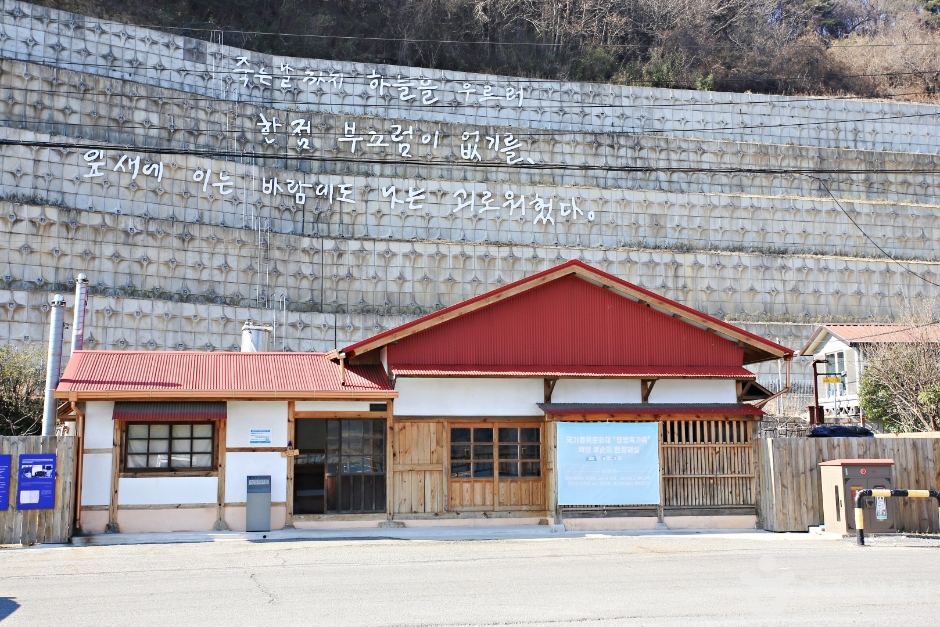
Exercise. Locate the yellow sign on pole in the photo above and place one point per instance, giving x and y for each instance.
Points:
(832, 379)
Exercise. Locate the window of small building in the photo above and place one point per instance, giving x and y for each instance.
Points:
(471, 452)
(169, 446)
(511, 452)
(520, 452)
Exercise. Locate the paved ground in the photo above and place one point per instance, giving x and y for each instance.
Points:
(552, 579)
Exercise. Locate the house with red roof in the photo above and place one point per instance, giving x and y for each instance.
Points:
(839, 350)
(568, 397)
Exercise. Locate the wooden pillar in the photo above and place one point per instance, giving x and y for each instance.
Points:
(445, 485)
(78, 466)
(222, 430)
(660, 434)
(115, 478)
(291, 445)
(389, 460)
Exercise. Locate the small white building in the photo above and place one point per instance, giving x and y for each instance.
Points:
(842, 347)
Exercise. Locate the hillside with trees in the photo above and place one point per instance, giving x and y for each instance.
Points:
(866, 48)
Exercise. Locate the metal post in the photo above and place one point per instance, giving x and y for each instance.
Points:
(860, 515)
(78, 321)
(815, 417)
(53, 363)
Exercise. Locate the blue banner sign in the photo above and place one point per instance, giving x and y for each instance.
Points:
(35, 483)
(6, 461)
(608, 463)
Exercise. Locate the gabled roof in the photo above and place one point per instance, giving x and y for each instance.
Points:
(860, 334)
(139, 375)
(755, 348)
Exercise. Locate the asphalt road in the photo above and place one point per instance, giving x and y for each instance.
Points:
(592, 580)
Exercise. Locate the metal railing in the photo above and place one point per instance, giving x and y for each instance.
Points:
(860, 513)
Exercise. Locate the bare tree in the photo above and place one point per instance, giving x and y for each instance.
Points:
(901, 368)
(22, 378)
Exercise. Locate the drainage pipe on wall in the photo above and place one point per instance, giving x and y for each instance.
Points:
(78, 321)
(53, 363)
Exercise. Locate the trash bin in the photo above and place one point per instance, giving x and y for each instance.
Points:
(841, 479)
(258, 504)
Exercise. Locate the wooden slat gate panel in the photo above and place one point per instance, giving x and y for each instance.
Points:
(418, 467)
(790, 490)
(39, 526)
(707, 463)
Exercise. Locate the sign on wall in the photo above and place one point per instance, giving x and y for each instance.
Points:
(5, 464)
(609, 463)
(36, 482)
(259, 436)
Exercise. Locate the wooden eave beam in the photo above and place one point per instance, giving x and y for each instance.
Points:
(652, 417)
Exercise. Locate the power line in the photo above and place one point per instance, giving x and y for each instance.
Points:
(867, 236)
(256, 33)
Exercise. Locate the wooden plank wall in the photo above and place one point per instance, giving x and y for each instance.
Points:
(418, 464)
(789, 479)
(39, 526)
(707, 463)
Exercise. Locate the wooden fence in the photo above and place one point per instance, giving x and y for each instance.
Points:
(37, 526)
(789, 491)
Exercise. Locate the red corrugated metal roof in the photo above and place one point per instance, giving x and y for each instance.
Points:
(166, 374)
(169, 411)
(655, 372)
(672, 409)
(558, 326)
(855, 334)
(566, 322)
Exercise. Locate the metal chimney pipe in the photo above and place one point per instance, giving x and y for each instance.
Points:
(53, 363)
(78, 322)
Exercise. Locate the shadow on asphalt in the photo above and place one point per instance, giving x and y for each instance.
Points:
(7, 607)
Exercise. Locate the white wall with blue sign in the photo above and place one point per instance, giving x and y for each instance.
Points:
(608, 463)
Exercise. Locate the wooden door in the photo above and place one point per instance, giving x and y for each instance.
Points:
(418, 458)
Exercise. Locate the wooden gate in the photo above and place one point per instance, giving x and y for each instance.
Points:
(708, 463)
(38, 526)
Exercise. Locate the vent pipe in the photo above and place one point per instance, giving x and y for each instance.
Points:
(78, 322)
(255, 337)
(53, 363)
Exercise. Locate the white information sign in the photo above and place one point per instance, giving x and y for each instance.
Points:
(260, 436)
(608, 463)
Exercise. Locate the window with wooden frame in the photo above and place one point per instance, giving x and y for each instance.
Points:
(513, 452)
(520, 452)
(169, 446)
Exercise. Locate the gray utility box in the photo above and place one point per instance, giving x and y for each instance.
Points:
(841, 479)
(258, 504)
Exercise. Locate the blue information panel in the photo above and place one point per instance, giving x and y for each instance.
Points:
(5, 463)
(35, 483)
(608, 463)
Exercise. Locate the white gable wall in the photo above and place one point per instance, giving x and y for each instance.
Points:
(457, 396)
(694, 391)
(597, 391)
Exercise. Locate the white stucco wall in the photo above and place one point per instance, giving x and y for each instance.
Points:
(331, 406)
(597, 391)
(454, 396)
(243, 416)
(694, 391)
(239, 465)
(167, 490)
(96, 479)
(99, 427)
